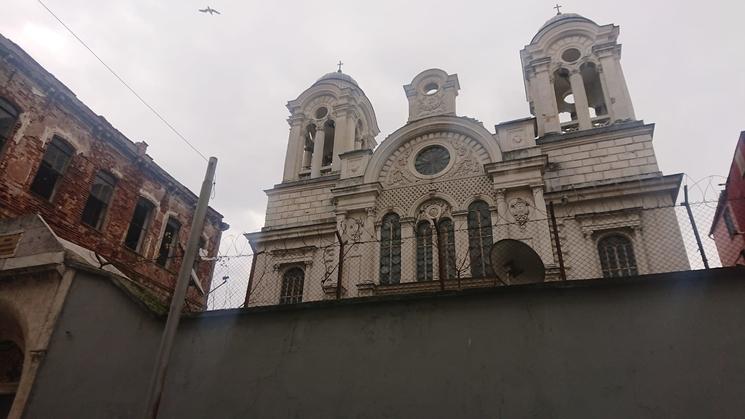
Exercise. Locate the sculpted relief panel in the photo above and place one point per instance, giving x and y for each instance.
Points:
(466, 158)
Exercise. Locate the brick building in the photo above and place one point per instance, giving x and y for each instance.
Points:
(94, 186)
(728, 227)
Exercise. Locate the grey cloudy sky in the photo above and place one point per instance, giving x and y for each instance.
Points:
(223, 80)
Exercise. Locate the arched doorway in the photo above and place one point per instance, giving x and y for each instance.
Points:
(11, 360)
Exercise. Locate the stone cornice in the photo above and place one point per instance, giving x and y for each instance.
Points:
(613, 188)
(303, 184)
(611, 132)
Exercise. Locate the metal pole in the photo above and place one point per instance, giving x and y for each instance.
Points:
(177, 302)
(562, 270)
(341, 266)
(695, 229)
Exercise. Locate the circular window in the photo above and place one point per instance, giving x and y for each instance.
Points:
(321, 112)
(571, 55)
(432, 160)
(431, 89)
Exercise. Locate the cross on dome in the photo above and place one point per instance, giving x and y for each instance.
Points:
(558, 8)
(339, 64)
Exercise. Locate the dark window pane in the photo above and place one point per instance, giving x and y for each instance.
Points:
(45, 181)
(446, 238)
(8, 118)
(390, 250)
(479, 239)
(139, 224)
(292, 286)
(167, 245)
(52, 168)
(98, 200)
(432, 160)
(424, 251)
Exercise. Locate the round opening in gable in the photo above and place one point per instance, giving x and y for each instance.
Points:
(571, 55)
(431, 89)
(321, 112)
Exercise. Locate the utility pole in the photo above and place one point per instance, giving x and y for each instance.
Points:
(179, 294)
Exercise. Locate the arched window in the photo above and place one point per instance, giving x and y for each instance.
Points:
(292, 286)
(617, 256)
(8, 118)
(446, 240)
(390, 250)
(593, 90)
(479, 239)
(424, 251)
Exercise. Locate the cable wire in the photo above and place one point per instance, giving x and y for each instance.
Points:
(155, 112)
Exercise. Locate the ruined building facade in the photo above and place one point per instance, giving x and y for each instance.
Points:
(91, 184)
(431, 199)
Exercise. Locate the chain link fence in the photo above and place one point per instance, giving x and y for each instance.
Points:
(405, 256)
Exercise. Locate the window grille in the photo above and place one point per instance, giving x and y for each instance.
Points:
(52, 168)
(99, 199)
(292, 286)
(617, 256)
(479, 239)
(424, 251)
(390, 250)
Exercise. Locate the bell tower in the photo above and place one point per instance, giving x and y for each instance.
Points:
(331, 117)
(573, 77)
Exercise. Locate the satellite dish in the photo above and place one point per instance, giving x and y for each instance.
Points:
(514, 262)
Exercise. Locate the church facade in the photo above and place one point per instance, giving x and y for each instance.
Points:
(428, 202)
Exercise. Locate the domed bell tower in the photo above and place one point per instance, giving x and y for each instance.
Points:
(328, 119)
(573, 77)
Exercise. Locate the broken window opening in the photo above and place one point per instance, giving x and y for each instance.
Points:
(52, 168)
(169, 242)
(139, 224)
(99, 199)
(8, 119)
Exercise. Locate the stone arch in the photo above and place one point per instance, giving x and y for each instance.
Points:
(443, 123)
(449, 200)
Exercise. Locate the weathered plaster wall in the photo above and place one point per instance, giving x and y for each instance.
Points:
(665, 347)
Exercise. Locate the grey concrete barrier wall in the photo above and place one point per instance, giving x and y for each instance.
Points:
(670, 346)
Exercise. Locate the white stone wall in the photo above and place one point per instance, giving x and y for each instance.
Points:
(590, 160)
(300, 205)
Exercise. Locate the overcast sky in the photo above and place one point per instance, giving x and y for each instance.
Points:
(224, 80)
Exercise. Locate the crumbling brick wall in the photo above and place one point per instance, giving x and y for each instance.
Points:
(47, 108)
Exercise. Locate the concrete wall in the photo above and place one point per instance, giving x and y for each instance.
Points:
(667, 346)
